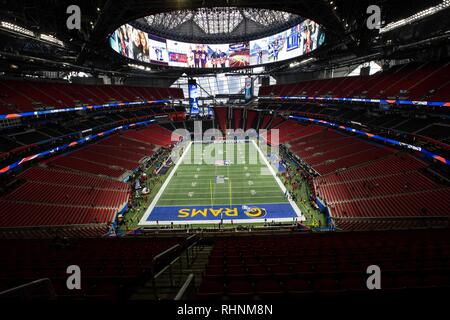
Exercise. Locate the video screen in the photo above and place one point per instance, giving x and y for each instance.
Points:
(158, 50)
(294, 42)
(239, 54)
(193, 97)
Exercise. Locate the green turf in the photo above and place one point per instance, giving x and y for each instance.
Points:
(194, 181)
(182, 183)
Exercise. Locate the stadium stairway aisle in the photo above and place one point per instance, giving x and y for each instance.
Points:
(169, 282)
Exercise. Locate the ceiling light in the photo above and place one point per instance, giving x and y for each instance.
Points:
(16, 29)
(415, 17)
(51, 39)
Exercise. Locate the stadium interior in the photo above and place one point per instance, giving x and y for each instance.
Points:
(110, 115)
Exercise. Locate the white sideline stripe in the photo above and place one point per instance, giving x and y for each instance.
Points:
(283, 188)
(161, 191)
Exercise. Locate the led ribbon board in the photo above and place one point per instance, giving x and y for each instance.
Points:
(382, 101)
(73, 109)
(72, 144)
(376, 137)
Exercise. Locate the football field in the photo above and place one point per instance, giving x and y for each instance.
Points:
(221, 182)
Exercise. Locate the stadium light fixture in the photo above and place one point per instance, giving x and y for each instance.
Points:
(140, 67)
(299, 63)
(11, 27)
(415, 17)
(52, 39)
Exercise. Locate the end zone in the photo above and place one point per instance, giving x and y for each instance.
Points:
(252, 213)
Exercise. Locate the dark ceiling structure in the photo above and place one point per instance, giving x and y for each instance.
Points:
(348, 38)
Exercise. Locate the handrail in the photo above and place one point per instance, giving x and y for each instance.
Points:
(189, 283)
(22, 291)
(159, 256)
(191, 237)
(167, 265)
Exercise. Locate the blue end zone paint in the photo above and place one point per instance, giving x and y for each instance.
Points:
(238, 212)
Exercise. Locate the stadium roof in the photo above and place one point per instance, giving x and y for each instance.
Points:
(212, 25)
(35, 38)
